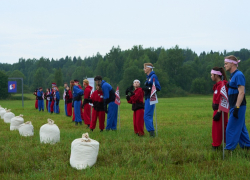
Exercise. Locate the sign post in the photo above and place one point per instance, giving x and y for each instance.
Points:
(12, 87)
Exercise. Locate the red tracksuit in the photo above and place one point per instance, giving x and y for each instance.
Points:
(138, 107)
(68, 100)
(98, 110)
(73, 118)
(217, 125)
(36, 103)
(46, 96)
(53, 101)
(87, 107)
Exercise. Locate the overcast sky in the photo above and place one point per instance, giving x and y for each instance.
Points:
(51, 28)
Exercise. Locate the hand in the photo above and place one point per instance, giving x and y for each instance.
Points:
(217, 116)
(146, 89)
(106, 108)
(127, 97)
(235, 114)
(127, 90)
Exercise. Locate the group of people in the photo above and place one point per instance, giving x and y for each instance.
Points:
(234, 127)
(79, 102)
(51, 96)
(103, 101)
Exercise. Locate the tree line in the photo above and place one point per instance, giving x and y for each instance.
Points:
(180, 71)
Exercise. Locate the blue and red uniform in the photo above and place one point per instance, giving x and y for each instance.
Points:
(109, 99)
(77, 93)
(136, 100)
(149, 109)
(236, 131)
(68, 101)
(97, 110)
(40, 100)
(217, 125)
(87, 107)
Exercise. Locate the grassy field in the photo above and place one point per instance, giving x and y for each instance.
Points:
(182, 149)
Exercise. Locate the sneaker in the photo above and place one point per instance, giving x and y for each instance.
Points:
(101, 130)
(87, 126)
(215, 148)
(152, 133)
(76, 123)
(80, 123)
(92, 130)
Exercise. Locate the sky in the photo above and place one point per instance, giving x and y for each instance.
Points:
(60, 28)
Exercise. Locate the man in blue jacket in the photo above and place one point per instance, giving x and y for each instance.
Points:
(40, 99)
(77, 93)
(236, 131)
(108, 99)
(149, 109)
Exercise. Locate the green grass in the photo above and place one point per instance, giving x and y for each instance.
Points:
(182, 149)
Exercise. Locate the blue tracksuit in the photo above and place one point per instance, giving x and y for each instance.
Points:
(109, 98)
(40, 100)
(149, 109)
(56, 105)
(77, 93)
(236, 131)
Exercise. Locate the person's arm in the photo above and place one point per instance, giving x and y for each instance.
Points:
(241, 94)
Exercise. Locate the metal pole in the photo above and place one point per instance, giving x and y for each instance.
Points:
(156, 121)
(223, 128)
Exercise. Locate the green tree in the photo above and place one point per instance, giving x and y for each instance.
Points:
(40, 78)
(4, 86)
(58, 77)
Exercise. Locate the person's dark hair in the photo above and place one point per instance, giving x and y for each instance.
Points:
(66, 83)
(98, 78)
(231, 57)
(221, 69)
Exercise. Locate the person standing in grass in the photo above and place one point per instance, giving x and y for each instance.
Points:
(47, 99)
(236, 131)
(52, 98)
(149, 109)
(136, 99)
(57, 100)
(108, 99)
(85, 105)
(36, 102)
(40, 97)
(65, 102)
(216, 75)
(98, 109)
(77, 95)
(68, 98)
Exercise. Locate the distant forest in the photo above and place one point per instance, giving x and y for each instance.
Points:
(180, 71)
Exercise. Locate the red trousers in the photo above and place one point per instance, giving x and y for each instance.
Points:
(86, 113)
(47, 104)
(100, 115)
(217, 129)
(52, 106)
(69, 109)
(36, 104)
(138, 119)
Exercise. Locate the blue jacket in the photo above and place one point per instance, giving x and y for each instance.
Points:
(57, 96)
(149, 83)
(77, 93)
(40, 95)
(108, 92)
